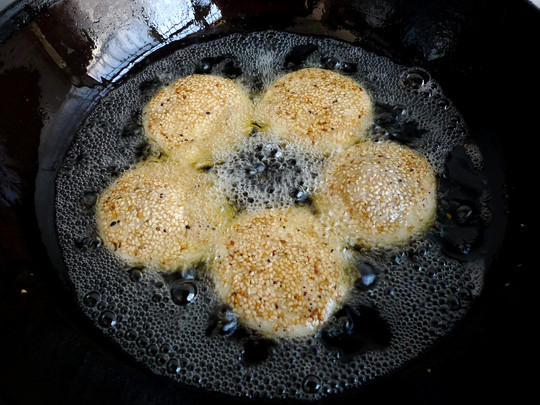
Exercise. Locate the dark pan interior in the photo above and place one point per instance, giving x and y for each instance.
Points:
(483, 54)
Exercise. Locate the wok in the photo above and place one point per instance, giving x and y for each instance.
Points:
(57, 57)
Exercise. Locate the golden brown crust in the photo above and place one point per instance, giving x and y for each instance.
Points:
(193, 115)
(281, 272)
(318, 107)
(377, 194)
(159, 215)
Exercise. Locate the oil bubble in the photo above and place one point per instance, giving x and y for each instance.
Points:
(88, 199)
(152, 350)
(92, 299)
(173, 366)
(136, 275)
(403, 300)
(89, 243)
(131, 334)
(311, 384)
(415, 79)
(107, 319)
(184, 292)
(368, 276)
(161, 359)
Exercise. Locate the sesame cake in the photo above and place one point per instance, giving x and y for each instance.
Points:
(318, 107)
(160, 216)
(281, 272)
(377, 194)
(195, 114)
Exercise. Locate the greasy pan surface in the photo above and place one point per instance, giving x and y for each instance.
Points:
(482, 54)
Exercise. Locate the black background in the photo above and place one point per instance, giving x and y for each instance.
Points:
(485, 57)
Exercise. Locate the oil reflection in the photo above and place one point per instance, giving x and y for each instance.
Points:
(96, 42)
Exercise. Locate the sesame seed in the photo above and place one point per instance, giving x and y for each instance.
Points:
(185, 117)
(151, 206)
(283, 270)
(287, 293)
(318, 107)
(377, 194)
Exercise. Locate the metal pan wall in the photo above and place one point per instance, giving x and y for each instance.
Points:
(482, 53)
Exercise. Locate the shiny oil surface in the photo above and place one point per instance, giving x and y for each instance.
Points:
(474, 50)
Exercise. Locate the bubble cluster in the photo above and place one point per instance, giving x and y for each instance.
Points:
(266, 172)
(402, 300)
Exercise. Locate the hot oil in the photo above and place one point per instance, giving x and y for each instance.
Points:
(264, 172)
(404, 300)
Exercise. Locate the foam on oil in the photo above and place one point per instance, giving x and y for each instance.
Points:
(404, 300)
